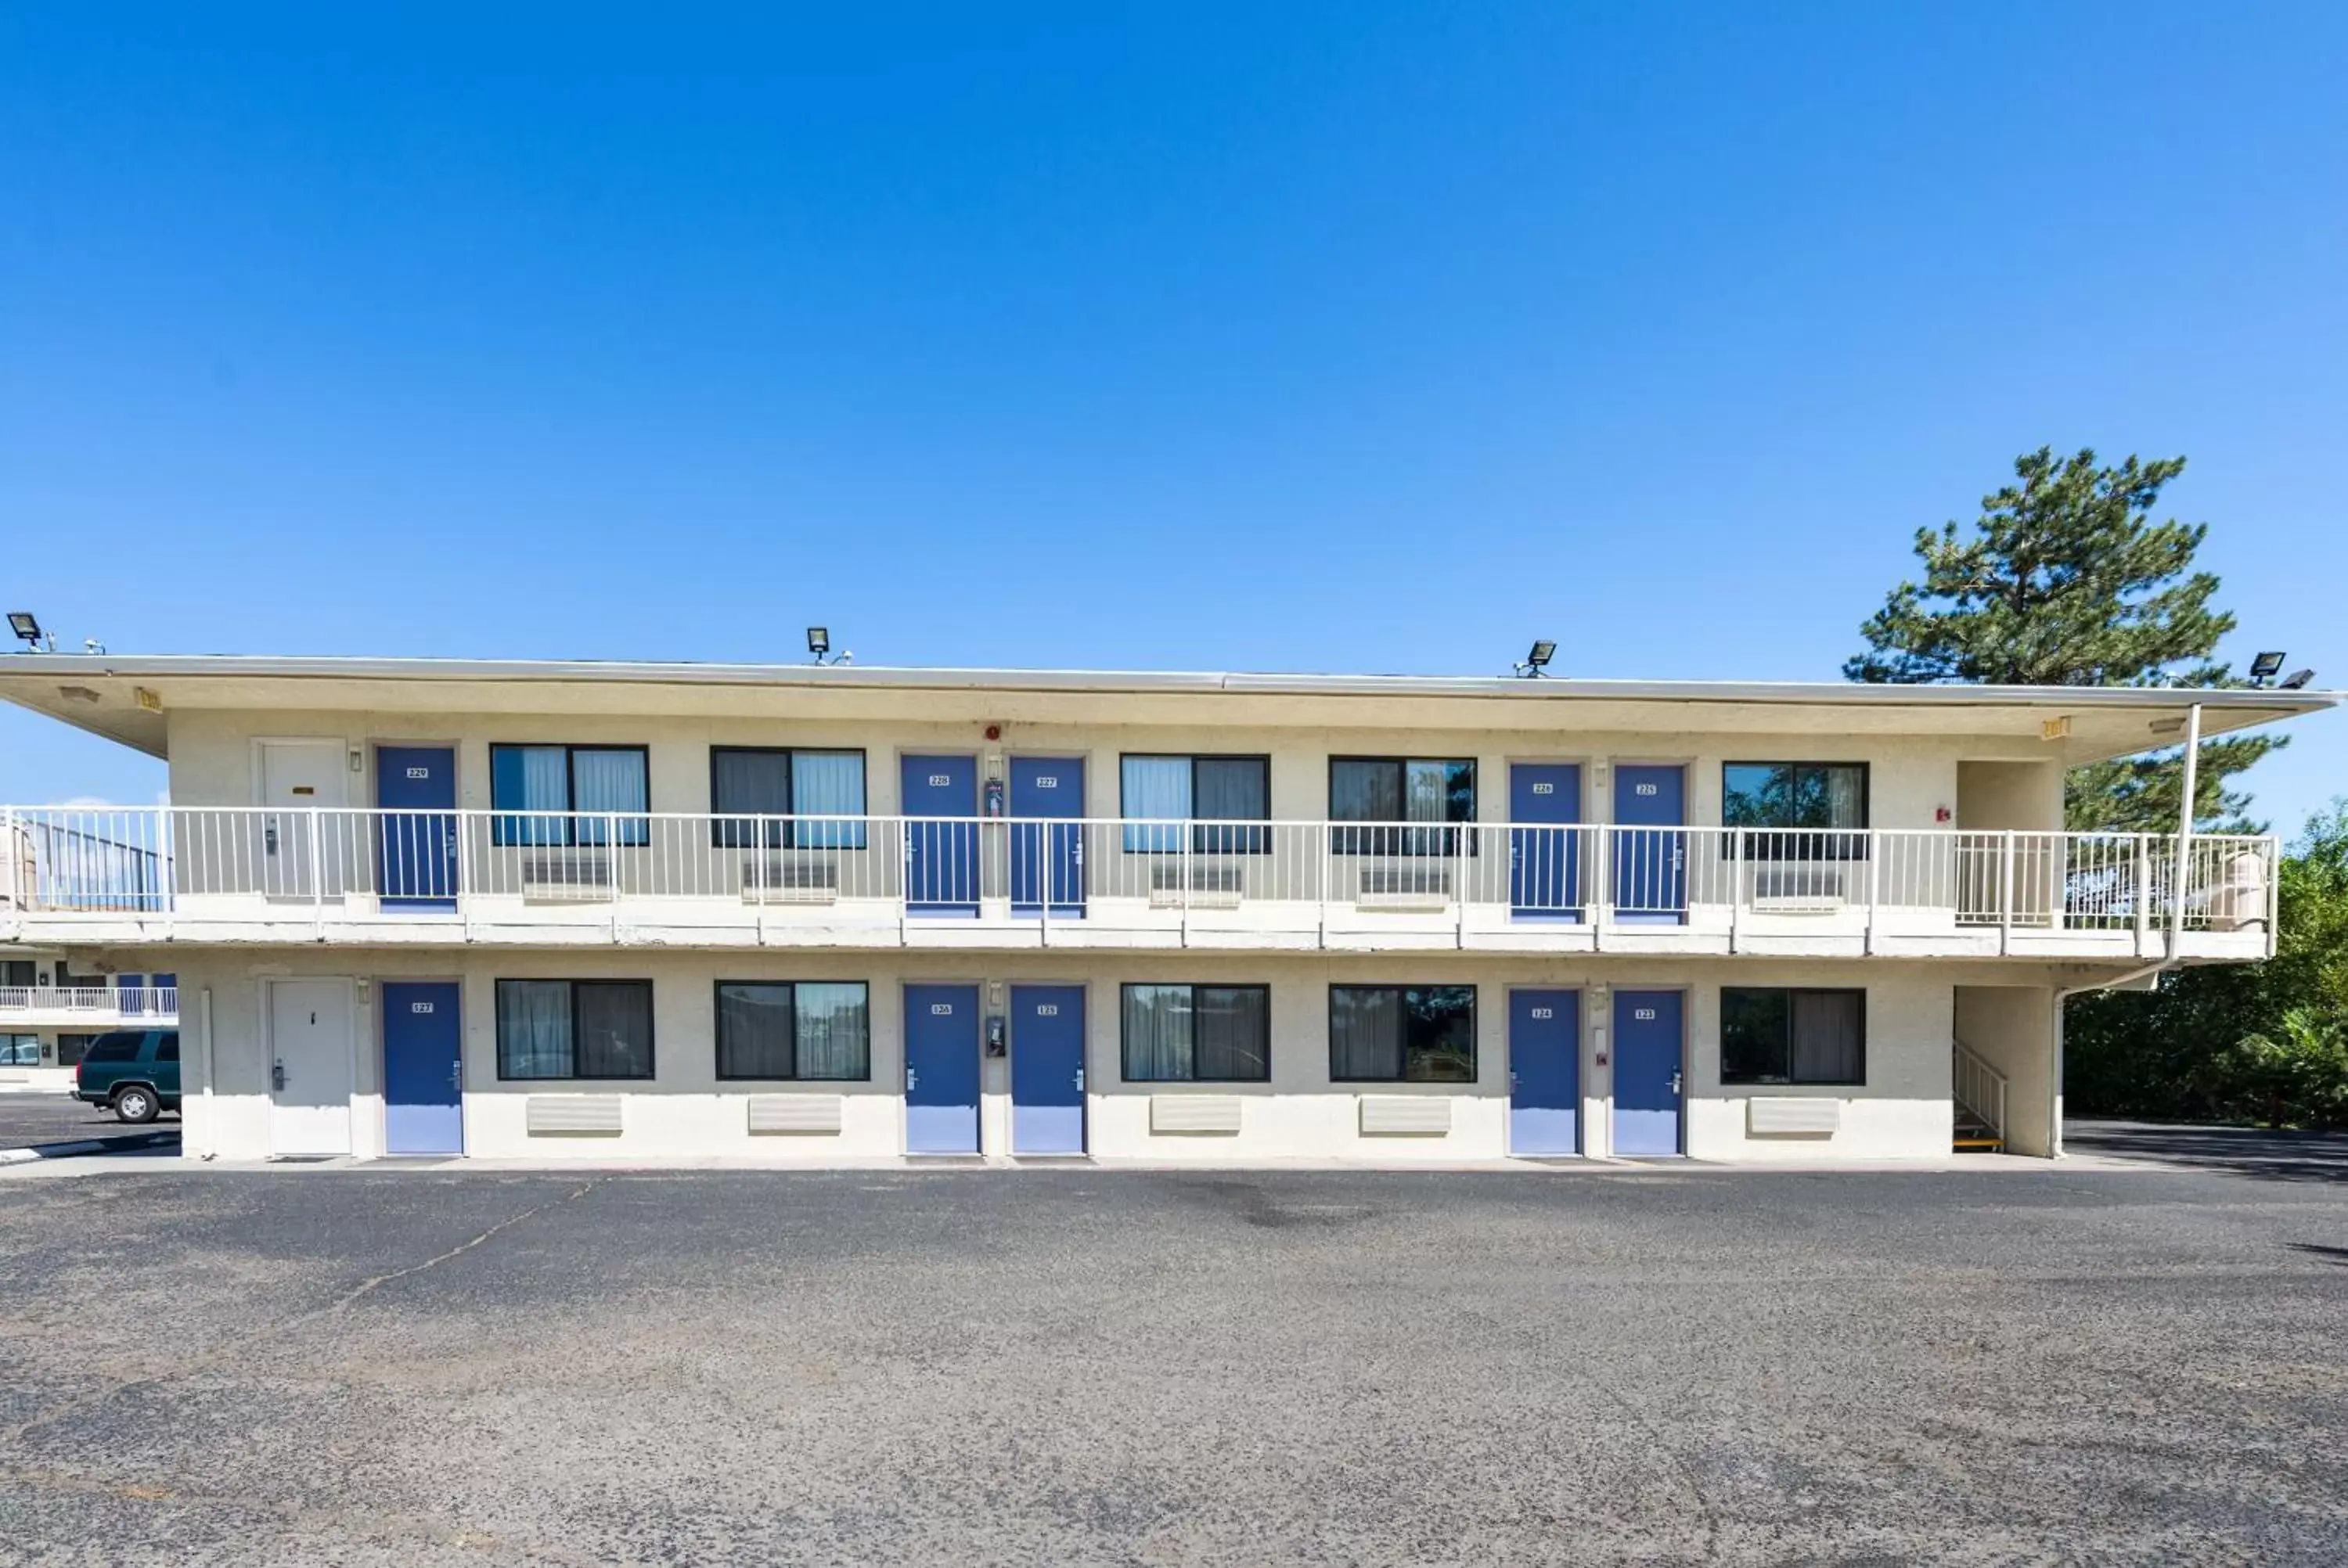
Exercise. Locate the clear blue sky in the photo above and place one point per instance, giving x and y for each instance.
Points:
(1344, 337)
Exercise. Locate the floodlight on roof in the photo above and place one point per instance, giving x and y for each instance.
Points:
(2266, 667)
(818, 640)
(2297, 679)
(26, 625)
(1534, 662)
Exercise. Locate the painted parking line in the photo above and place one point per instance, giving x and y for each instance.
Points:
(85, 1146)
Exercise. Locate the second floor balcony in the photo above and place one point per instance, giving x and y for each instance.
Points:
(83, 1008)
(550, 878)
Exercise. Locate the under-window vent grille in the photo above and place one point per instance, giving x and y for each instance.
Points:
(573, 1115)
(1405, 883)
(566, 874)
(1194, 1113)
(1800, 888)
(796, 1112)
(790, 879)
(1405, 1115)
(1210, 884)
(1783, 1116)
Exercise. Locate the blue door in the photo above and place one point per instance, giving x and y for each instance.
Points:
(942, 1070)
(940, 856)
(1047, 1070)
(1544, 848)
(416, 788)
(1650, 865)
(423, 1071)
(1048, 858)
(1544, 1072)
(1647, 1032)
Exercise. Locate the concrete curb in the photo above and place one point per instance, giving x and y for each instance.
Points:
(85, 1146)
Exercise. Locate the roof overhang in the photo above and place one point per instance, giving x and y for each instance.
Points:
(127, 699)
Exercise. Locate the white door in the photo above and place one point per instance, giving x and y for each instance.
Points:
(301, 851)
(310, 1067)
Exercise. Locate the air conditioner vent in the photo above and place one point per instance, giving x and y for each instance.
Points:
(1209, 884)
(1784, 1116)
(790, 879)
(1800, 888)
(566, 874)
(1405, 883)
(1405, 1115)
(785, 1113)
(1194, 1113)
(572, 1115)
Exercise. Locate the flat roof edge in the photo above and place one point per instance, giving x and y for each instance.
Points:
(271, 667)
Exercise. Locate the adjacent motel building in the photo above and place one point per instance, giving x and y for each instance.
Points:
(614, 911)
(49, 1013)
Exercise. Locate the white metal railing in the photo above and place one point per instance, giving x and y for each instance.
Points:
(127, 1001)
(1979, 1087)
(225, 863)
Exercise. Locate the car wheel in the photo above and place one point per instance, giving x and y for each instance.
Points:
(135, 1104)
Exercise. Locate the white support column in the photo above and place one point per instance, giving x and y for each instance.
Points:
(2180, 877)
(209, 1144)
(2054, 1084)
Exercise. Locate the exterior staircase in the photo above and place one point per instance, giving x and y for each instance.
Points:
(1980, 1094)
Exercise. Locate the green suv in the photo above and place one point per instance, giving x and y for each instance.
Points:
(135, 1070)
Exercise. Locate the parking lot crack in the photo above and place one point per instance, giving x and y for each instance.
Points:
(240, 1345)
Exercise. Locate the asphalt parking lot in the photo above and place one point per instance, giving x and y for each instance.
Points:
(30, 1119)
(1079, 1366)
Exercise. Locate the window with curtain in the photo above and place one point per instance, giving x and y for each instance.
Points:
(804, 1030)
(1780, 1036)
(1829, 798)
(590, 785)
(1196, 1034)
(1402, 1034)
(1216, 795)
(1385, 790)
(574, 1028)
(791, 785)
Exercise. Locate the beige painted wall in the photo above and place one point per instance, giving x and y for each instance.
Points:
(2024, 797)
(215, 759)
(2012, 1028)
(1901, 1111)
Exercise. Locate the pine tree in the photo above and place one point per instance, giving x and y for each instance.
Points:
(2067, 581)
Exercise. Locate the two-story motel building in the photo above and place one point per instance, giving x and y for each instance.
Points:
(435, 906)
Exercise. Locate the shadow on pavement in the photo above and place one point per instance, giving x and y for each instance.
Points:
(2287, 1156)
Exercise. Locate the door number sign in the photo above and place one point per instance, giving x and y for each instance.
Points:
(1642, 789)
(940, 1009)
(1644, 1015)
(419, 1007)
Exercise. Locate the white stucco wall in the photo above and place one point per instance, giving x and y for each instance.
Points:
(215, 757)
(1902, 1111)
(2012, 1028)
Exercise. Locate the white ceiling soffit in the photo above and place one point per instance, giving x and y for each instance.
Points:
(126, 698)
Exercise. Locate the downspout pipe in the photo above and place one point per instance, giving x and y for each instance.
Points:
(2176, 944)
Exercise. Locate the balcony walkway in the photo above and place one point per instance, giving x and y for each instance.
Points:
(363, 878)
